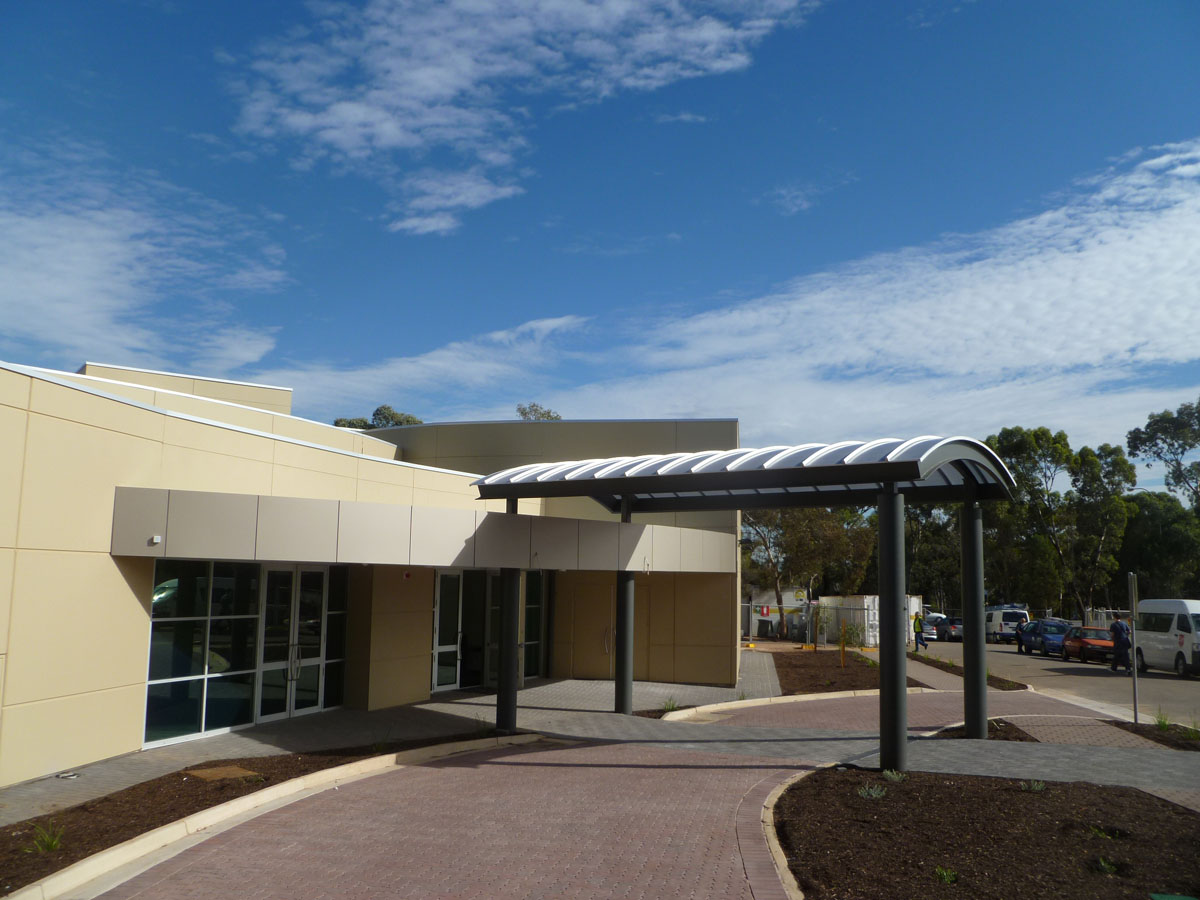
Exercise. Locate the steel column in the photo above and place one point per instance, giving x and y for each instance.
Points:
(893, 633)
(623, 645)
(508, 669)
(974, 638)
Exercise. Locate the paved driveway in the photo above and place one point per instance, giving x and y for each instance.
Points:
(543, 821)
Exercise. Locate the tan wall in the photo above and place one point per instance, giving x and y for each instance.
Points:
(262, 396)
(401, 635)
(685, 627)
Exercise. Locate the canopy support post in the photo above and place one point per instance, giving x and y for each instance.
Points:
(974, 638)
(623, 639)
(893, 633)
(508, 668)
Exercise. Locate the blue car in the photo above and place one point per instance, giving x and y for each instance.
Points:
(1045, 635)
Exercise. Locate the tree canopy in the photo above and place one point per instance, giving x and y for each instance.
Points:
(383, 417)
(1171, 438)
(535, 412)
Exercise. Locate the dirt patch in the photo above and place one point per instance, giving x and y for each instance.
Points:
(998, 730)
(821, 672)
(108, 821)
(994, 681)
(971, 836)
(1177, 737)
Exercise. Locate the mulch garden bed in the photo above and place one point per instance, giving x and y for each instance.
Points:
(658, 713)
(1177, 737)
(994, 681)
(936, 836)
(998, 730)
(821, 672)
(108, 821)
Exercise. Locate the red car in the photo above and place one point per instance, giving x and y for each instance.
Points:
(1087, 643)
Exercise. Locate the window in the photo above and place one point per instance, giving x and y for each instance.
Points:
(1183, 624)
(1155, 622)
(203, 639)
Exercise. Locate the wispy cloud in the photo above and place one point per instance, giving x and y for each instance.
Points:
(91, 250)
(599, 245)
(1059, 318)
(686, 118)
(795, 196)
(377, 88)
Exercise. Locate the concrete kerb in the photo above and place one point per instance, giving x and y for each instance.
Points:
(700, 712)
(790, 886)
(209, 820)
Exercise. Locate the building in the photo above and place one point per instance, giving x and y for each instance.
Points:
(180, 556)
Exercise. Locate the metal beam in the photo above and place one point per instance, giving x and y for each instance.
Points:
(507, 671)
(893, 633)
(974, 649)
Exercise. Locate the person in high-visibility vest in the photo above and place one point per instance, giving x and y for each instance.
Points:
(919, 632)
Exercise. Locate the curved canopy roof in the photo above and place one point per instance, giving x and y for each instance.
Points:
(849, 473)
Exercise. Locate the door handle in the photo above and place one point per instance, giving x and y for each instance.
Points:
(606, 629)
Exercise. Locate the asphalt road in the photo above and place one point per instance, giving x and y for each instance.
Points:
(1178, 698)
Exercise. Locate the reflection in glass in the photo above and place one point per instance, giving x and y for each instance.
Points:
(339, 588)
(308, 687)
(230, 701)
(335, 636)
(176, 649)
(180, 589)
(335, 676)
(312, 601)
(448, 610)
(277, 611)
(173, 709)
(235, 589)
(447, 668)
(274, 692)
(231, 645)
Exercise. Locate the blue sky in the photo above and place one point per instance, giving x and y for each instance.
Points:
(831, 220)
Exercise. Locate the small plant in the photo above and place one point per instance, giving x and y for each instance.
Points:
(741, 695)
(253, 779)
(378, 747)
(1107, 866)
(944, 875)
(1033, 787)
(1192, 733)
(872, 791)
(669, 705)
(1099, 832)
(46, 838)
(893, 776)
(1161, 721)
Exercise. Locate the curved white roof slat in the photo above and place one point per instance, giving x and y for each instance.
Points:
(913, 448)
(685, 462)
(557, 471)
(621, 466)
(870, 451)
(652, 466)
(750, 457)
(719, 462)
(588, 470)
(832, 455)
(505, 476)
(792, 457)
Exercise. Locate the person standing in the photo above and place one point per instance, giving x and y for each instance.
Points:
(1119, 632)
(919, 633)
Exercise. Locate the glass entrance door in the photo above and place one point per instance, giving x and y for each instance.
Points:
(292, 646)
(447, 630)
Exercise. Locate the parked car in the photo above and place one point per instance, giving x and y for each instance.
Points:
(1087, 644)
(1168, 636)
(1020, 634)
(1001, 624)
(950, 629)
(1046, 635)
(930, 626)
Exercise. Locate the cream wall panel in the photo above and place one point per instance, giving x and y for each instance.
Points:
(262, 396)
(45, 737)
(398, 681)
(720, 553)
(301, 457)
(373, 533)
(89, 409)
(7, 559)
(554, 543)
(718, 434)
(691, 550)
(119, 389)
(643, 595)
(204, 408)
(358, 637)
(80, 622)
(704, 607)
(422, 497)
(636, 546)
(562, 629)
(443, 537)
(662, 610)
(387, 473)
(661, 663)
(501, 540)
(70, 471)
(14, 389)
(13, 424)
(138, 515)
(374, 447)
(445, 482)
(714, 520)
(214, 438)
(200, 470)
(598, 545)
(302, 530)
(666, 549)
(578, 508)
(289, 482)
(212, 526)
(314, 433)
(154, 379)
(378, 492)
(702, 665)
(402, 634)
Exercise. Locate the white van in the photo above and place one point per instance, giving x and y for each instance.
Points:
(1000, 623)
(1168, 636)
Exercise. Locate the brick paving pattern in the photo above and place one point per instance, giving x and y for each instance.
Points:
(1083, 731)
